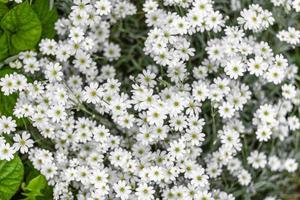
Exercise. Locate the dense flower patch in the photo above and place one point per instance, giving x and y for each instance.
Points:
(154, 99)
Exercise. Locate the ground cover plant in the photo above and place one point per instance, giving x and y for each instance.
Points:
(149, 99)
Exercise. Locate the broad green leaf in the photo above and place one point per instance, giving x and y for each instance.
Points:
(37, 189)
(4, 46)
(11, 175)
(48, 16)
(4, 1)
(7, 104)
(24, 28)
(3, 9)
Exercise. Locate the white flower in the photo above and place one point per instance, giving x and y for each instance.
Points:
(53, 72)
(177, 149)
(290, 165)
(8, 84)
(226, 110)
(23, 142)
(7, 125)
(49, 170)
(296, 5)
(234, 69)
(257, 160)
(92, 93)
(288, 91)
(200, 91)
(57, 113)
(255, 18)
(203, 195)
(156, 116)
(257, 66)
(274, 163)
(145, 192)
(294, 123)
(199, 179)
(112, 51)
(6, 152)
(103, 7)
(122, 189)
(76, 34)
(263, 133)
(244, 178)
(291, 36)
(230, 138)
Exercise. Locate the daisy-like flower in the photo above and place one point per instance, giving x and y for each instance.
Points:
(234, 69)
(226, 110)
(103, 7)
(145, 192)
(8, 84)
(92, 93)
(263, 134)
(122, 189)
(22, 142)
(53, 72)
(244, 177)
(6, 152)
(291, 165)
(7, 125)
(257, 159)
(257, 66)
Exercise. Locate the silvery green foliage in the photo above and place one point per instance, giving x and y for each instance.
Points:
(217, 120)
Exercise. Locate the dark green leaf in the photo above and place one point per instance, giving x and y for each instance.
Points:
(24, 28)
(11, 175)
(3, 9)
(30, 171)
(3, 1)
(7, 104)
(37, 189)
(48, 16)
(4, 47)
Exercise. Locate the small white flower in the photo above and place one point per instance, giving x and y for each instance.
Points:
(22, 142)
(290, 165)
(7, 125)
(6, 152)
(226, 110)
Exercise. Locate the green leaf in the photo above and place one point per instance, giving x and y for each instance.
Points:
(48, 16)
(23, 26)
(7, 104)
(11, 175)
(3, 9)
(4, 1)
(37, 189)
(30, 171)
(4, 47)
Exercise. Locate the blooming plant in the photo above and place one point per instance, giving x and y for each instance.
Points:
(149, 99)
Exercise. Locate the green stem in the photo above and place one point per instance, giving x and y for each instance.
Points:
(214, 128)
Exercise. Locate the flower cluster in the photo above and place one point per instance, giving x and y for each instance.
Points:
(288, 4)
(181, 130)
(291, 36)
(167, 43)
(255, 18)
